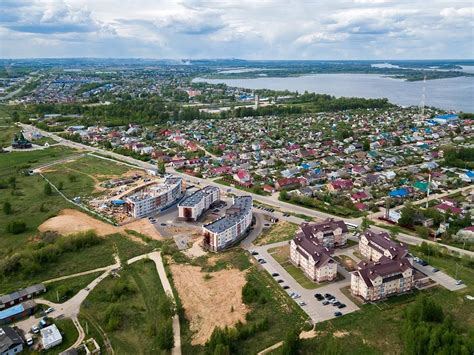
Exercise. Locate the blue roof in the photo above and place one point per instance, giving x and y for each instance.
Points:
(470, 174)
(450, 116)
(403, 192)
(12, 311)
(118, 202)
(317, 170)
(305, 166)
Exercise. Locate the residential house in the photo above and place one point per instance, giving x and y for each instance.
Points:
(11, 341)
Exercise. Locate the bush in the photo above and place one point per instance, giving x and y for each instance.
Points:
(7, 208)
(47, 189)
(16, 227)
(113, 317)
(165, 335)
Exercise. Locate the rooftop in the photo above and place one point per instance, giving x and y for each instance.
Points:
(196, 197)
(242, 205)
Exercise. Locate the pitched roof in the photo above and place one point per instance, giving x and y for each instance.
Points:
(388, 270)
(327, 226)
(381, 241)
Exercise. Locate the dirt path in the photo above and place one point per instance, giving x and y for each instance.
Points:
(209, 300)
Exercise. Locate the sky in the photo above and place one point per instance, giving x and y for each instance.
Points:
(255, 29)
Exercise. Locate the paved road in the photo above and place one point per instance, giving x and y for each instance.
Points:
(314, 308)
(270, 200)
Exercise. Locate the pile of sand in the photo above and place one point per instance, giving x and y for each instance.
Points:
(209, 302)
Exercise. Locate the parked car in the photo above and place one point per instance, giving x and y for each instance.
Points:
(336, 304)
(435, 270)
(286, 287)
(328, 296)
(275, 274)
(254, 252)
(337, 314)
(341, 305)
(459, 282)
(29, 341)
(49, 310)
(35, 329)
(319, 296)
(302, 303)
(280, 281)
(325, 303)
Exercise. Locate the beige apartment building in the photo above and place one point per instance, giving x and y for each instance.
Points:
(375, 281)
(314, 259)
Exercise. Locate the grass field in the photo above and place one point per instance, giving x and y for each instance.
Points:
(282, 255)
(7, 132)
(277, 232)
(26, 195)
(73, 262)
(69, 334)
(65, 289)
(139, 309)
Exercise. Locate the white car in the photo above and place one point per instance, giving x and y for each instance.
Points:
(35, 329)
(49, 310)
(29, 341)
(302, 303)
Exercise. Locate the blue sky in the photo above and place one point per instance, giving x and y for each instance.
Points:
(264, 29)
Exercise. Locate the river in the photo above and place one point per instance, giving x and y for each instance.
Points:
(449, 94)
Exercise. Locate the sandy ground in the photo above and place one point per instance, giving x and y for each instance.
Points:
(71, 221)
(196, 250)
(208, 303)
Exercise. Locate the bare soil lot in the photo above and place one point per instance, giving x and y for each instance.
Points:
(71, 221)
(210, 300)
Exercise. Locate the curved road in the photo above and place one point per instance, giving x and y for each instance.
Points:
(269, 200)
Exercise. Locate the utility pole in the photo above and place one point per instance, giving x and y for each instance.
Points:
(428, 190)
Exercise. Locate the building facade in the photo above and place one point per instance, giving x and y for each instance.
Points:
(10, 341)
(375, 246)
(314, 259)
(228, 230)
(155, 198)
(329, 233)
(192, 207)
(376, 281)
(21, 295)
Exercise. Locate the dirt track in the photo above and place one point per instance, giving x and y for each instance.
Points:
(72, 221)
(209, 303)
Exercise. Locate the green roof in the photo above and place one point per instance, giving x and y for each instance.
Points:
(421, 185)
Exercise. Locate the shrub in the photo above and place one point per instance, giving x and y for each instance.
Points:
(16, 227)
(165, 335)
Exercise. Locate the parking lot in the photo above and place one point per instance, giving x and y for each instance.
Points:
(314, 308)
(439, 277)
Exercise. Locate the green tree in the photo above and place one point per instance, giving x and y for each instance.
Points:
(161, 167)
(47, 189)
(16, 227)
(408, 214)
(291, 343)
(165, 335)
(7, 207)
(366, 146)
(365, 224)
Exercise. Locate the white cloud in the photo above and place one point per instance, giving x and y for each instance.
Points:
(265, 29)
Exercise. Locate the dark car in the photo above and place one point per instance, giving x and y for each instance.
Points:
(337, 314)
(325, 303)
(275, 274)
(336, 304)
(341, 305)
(280, 281)
(328, 296)
(319, 296)
(286, 287)
(255, 253)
